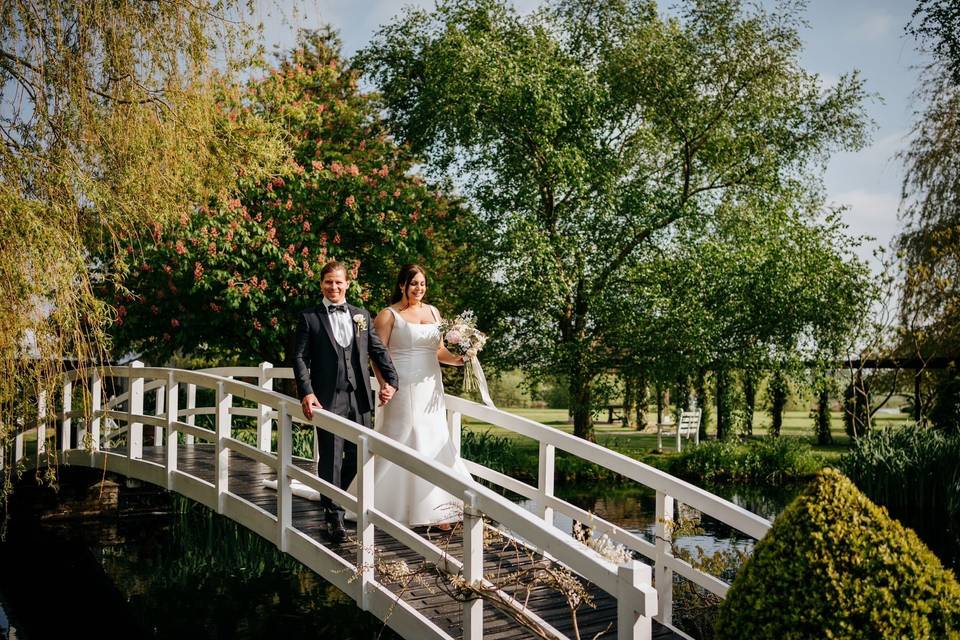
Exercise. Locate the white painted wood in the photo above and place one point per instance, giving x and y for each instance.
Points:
(545, 477)
(503, 480)
(191, 405)
(252, 452)
(365, 527)
(96, 399)
(264, 423)
(250, 516)
(454, 419)
(320, 485)
(135, 412)
(66, 425)
(208, 436)
(222, 459)
(18, 445)
(636, 602)
(159, 402)
(284, 464)
(172, 445)
(664, 574)
(195, 488)
(42, 423)
(472, 565)
(712, 583)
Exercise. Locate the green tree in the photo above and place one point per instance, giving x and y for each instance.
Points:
(109, 127)
(229, 280)
(588, 134)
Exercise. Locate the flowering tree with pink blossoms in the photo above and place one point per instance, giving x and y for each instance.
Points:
(227, 281)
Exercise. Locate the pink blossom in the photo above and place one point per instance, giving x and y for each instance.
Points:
(257, 325)
(180, 248)
(350, 201)
(174, 323)
(353, 170)
(197, 270)
(453, 337)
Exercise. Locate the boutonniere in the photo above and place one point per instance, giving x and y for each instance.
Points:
(361, 321)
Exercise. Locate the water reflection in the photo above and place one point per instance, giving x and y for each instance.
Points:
(188, 573)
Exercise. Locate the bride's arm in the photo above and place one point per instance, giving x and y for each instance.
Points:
(444, 355)
(383, 325)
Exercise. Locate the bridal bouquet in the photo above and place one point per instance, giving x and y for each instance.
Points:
(461, 338)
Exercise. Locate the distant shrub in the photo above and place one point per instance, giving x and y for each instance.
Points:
(835, 565)
(770, 459)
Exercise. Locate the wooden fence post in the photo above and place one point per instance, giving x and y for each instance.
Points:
(472, 566)
(264, 426)
(134, 409)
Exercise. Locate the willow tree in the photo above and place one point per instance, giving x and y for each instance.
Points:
(110, 125)
(586, 132)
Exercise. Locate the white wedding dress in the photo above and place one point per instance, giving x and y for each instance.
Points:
(415, 416)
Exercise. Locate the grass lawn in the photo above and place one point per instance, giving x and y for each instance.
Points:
(642, 445)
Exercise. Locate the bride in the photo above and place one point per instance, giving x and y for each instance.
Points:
(416, 416)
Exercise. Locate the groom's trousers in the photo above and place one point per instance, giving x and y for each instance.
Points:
(337, 462)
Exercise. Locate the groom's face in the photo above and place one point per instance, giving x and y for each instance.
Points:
(335, 286)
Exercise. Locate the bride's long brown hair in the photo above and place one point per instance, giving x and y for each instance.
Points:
(407, 273)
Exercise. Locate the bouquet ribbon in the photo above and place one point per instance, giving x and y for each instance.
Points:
(475, 371)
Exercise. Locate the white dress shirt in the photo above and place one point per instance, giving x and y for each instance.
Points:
(341, 323)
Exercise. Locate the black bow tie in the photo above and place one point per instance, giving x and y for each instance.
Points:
(336, 307)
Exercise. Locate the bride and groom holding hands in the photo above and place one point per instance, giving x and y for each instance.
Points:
(334, 343)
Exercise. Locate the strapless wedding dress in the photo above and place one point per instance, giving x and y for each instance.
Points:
(416, 416)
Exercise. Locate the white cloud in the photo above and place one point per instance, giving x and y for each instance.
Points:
(873, 214)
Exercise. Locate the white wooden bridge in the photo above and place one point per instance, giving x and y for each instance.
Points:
(213, 467)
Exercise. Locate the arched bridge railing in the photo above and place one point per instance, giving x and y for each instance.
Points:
(88, 436)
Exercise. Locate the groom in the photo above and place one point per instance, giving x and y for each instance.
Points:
(334, 343)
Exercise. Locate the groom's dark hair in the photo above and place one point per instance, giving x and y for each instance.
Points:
(333, 265)
(407, 273)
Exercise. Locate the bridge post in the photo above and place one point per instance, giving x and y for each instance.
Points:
(453, 427)
(173, 402)
(222, 460)
(636, 602)
(284, 460)
(42, 422)
(191, 405)
(664, 574)
(545, 477)
(159, 402)
(472, 565)
(96, 400)
(264, 381)
(134, 409)
(67, 423)
(365, 529)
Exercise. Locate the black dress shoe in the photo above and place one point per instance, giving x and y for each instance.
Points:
(335, 529)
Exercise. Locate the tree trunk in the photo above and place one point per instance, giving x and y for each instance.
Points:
(778, 400)
(642, 399)
(823, 415)
(723, 404)
(581, 395)
(703, 401)
(629, 401)
(659, 391)
(749, 398)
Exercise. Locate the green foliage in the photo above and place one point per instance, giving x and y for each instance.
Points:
(835, 565)
(649, 185)
(945, 412)
(915, 473)
(229, 280)
(770, 460)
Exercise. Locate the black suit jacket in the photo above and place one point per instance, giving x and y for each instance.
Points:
(315, 360)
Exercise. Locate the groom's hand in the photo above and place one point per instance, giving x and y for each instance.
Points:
(308, 404)
(386, 392)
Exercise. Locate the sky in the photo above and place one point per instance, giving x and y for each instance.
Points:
(866, 35)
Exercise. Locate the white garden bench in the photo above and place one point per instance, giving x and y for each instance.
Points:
(688, 425)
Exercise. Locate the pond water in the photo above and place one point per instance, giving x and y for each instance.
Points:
(177, 570)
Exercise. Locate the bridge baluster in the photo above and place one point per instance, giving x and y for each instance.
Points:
(191, 405)
(265, 381)
(159, 401)
(664, 574)
(284, 460)
(365, 529)
(545, 476)
(173, 402)
(472, 565)
(67, 423)
(636, 601)
(135, 409)
(96, 402)
(222, 461)
(42, 422)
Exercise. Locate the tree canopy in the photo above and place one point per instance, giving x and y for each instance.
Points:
(605, 146)
(228, 281)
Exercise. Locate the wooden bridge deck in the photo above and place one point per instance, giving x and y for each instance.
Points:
(246, 481)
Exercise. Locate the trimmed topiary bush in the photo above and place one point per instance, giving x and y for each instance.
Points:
(835, 565)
